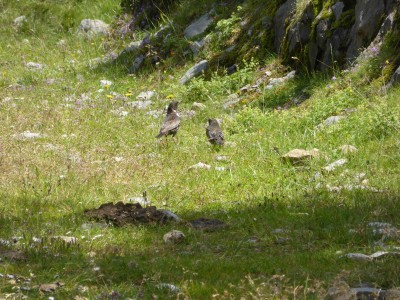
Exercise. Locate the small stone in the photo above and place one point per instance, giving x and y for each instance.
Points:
(297, 156)
(198, 106)
(330, 121)
(105, 83)
(168, 286)
(140, 104)
(231, 101)
(93, 27)
(332, 166)
(173, 237)
(348, 149)
(26, 135)
(170, 215)
(197, 46)
(200, 165)
(146, 95)
(66, 239)
(50, 287)
(34, 65)
(221, 158)
(220, 168)
(358, 256)
(20, 21)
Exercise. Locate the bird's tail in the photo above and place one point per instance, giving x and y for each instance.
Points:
(159, 135)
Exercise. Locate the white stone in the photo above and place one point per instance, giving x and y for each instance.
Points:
(332, 166)
(105, 83)
(146, 95)
(173, 237)
(200, 165)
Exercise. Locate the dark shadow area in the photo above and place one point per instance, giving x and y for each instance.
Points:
(299, 238)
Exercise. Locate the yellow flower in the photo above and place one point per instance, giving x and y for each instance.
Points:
(110, 96)
(170, 96)
(128, 94)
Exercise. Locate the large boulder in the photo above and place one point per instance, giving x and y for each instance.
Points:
(368, 21)
(281, 18)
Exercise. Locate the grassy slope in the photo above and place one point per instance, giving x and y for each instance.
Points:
(46, 183)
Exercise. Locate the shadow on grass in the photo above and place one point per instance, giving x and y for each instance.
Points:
(298, 238)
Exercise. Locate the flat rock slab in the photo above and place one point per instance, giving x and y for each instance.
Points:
(198, 26)
(121, 214)
(207, 224)
(194, 71)
(297, 156)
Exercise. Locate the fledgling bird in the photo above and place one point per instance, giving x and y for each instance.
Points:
(171, 122)
(214, 132)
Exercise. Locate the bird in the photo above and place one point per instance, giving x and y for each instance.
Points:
(214, 132)
(171, 122)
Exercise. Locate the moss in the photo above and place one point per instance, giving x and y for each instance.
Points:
(346, 20)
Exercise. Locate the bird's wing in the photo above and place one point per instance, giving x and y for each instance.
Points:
(171, 122)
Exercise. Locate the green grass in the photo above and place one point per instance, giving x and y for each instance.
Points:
(47, 183)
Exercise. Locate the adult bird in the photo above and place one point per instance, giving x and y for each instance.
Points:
(214, 132)
(171, 122)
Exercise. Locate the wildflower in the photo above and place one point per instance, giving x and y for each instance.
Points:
(109, 96)
(334, 78)
(170, 96)
(128, 94)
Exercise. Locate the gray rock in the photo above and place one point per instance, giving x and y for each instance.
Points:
(321, 32)
(105, 83)
(297, 156)
(197, 46)
(136, 64)
(337, 9)
(172, 288)
(221, 158)
(395, 79)
(366, 26)
(200, 165)
(146, 95)
(333, 166)
(231, 101)
(20, 21)
(140, 104)
(266, 22)
(198, 26)
(299, 33)
(198, 106)
(27, 135)
(132, 47)
(93, 27)
(173, 237)
(194, 71)
(281, 16)
(330, 121)
(170, 215)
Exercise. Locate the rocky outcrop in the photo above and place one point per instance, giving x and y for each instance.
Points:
(337, 34)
